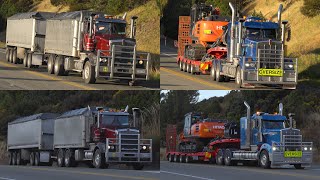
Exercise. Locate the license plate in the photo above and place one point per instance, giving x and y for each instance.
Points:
(270, 72)
(105, 69)
(289, 154)
(141, 71)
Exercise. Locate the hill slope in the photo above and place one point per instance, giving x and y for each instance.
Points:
(305, 39)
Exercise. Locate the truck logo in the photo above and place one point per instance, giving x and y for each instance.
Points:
(219, 27)
(218, 127)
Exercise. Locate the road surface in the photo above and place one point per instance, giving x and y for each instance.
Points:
(16, 77)
(79, 173)
(183, 171)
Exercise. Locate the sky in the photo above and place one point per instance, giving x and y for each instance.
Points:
(206, 94)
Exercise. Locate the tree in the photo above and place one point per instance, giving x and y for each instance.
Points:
(310, 8)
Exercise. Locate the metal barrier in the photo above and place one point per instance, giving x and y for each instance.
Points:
(120, 62)
(128, 148)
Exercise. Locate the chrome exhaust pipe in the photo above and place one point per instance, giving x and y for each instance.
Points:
(232, 32)
(248, 129)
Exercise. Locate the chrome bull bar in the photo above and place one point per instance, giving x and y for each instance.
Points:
(292, 144)
(126, 150)
(109, 63)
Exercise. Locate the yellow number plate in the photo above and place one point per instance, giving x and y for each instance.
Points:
(288, 154)
(270, 72)
(105, 69)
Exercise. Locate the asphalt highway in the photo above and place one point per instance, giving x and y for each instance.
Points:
(78, 173)
(183, 171)
(16, 77)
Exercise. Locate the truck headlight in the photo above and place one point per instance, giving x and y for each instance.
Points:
(288, 66)
(141, 62)
(274, 148)
(249, 65)
(144, 147)
(110, 147)
(310, 148)
(305, 148)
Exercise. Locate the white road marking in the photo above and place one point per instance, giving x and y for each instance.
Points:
(170, 55)
(3, 178)
(316, 169)
(156, 172)
(186, 175)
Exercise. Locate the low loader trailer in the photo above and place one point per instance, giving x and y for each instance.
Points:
(262, 139)
(95, 136)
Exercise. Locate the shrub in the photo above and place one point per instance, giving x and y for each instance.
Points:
(310, 8)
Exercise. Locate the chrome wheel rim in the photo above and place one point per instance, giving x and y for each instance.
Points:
(263, 159)
(238, 77)
(97, 159)
(86, 72)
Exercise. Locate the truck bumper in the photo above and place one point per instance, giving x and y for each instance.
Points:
(279, 159)
(125, 157)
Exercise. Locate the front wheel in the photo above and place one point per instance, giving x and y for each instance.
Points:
(98, 159)
(137, 166)
(89, 73)
(238, 79)
(264, 160)
(213, 72)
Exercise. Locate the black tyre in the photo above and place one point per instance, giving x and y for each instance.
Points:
(19, 158)
(170, 158)
(98, 159)
(185, 66)
(25, 59)
(50, 66)
(220, 157)
(298, 166)
(89, 73)
(189, 68)
(29, 61)
(8, 55)
(219, 77)
(60, 158)
(192, 69)
(181, 65)
(227, 158)
(187, 159)
(264, 159)
(181, 159)
(31, 159)
(10, 162)
(59, 66)
(69, 159)
(176, 158)
(14, 158)
(36, 158)
(137, 166)
(213, 72)
(14, 56)
(238, 79)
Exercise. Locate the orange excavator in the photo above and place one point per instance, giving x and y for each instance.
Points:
(198, 132)
(200, 31)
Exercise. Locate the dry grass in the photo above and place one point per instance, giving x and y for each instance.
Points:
(151, 121)
(163, 154)
(2, 44)
(305, 39)
(3, 151)
(46, 6)
(155, 75)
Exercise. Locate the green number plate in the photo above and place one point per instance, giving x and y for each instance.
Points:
(289, 154)
(270, 72)
(105, 69)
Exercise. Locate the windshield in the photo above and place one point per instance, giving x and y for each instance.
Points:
(261, 34)
(272, 124)
(112, 120)
(111, 28)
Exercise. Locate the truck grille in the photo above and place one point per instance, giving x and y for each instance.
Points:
(291, 139)
(270, 56)
(129, 142)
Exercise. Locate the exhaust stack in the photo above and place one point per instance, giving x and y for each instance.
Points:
(280, 109)
(133, 27)
(279, 14)
(248, 129)
(232, 32)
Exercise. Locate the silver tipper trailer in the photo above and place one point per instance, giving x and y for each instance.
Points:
(30, 139)
(69, 48)
(25, 37)
(76, 139)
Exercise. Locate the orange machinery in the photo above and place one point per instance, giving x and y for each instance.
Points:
(198, 132)
(200, 31)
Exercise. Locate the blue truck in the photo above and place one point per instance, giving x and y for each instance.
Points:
(266, 140)
(255, 54)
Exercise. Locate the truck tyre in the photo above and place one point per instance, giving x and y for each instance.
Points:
(29, 61)
(10, 158)
(227, 158)
(187, 159)
(185, 64)
(213, 72)
(189, 68)
(8, 55)
(170, 157)
(181, 159)
(137, 166)
(220, 157)
(25, 59)
(36, 158)
(14, 158)
(59, 66)
(69, 159)
(98, 159)
(192, 69)
(50, 66)
(89, 73)
(31, 159)
(238, 79)
(176, 158)
(219, 77)
(298, 166)
(19, 158)
(181, 65)
(264, 159)
(60, 160)
(14, 56)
